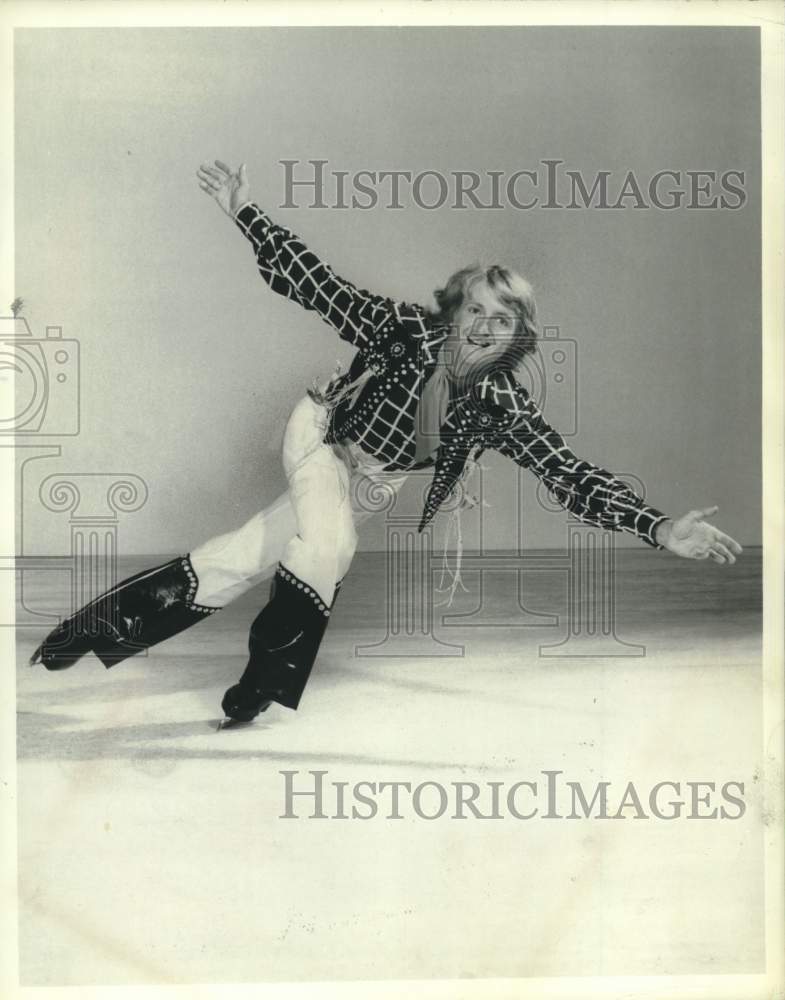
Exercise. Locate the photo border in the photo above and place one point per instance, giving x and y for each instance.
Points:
(769, 17)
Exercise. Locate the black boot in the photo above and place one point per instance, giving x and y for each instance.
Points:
(283, 643)
(134, 615)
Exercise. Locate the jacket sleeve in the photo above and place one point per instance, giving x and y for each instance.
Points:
(592, 494)
(292, 270)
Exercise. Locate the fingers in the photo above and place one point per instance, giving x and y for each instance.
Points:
(208, 181)
(716, 550)
(210, 174)
(719, 540)
(721, 554)
(224, 167)
(729, 542)
(698, 515)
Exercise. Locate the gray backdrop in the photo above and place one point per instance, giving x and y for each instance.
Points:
(190, 365)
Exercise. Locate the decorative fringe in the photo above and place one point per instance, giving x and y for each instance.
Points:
(324, 395)
(339, 387)
(468, 501)
(453, 523)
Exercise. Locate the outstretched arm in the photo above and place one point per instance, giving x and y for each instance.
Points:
(290, 268)
(593, 494)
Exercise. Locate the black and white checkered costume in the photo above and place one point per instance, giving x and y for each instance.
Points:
(397, 348)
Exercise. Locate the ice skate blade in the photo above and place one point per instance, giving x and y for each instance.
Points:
(35, 658)
(228, 723)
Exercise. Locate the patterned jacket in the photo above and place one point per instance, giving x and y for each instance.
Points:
(397, 347)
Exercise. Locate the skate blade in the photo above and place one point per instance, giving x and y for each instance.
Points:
(232, 724)
(35, 658)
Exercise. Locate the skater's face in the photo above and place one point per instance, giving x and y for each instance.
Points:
(483, 329)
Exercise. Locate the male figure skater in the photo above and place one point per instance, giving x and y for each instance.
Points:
(426, 388)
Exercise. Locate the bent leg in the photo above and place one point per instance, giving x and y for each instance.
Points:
(321, 550)
(286, 635)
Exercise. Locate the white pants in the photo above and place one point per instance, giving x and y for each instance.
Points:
(311, 528)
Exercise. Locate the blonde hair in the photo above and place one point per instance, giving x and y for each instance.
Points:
(512, 290)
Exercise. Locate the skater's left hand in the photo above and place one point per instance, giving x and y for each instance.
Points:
(693, 538)
(229, 189)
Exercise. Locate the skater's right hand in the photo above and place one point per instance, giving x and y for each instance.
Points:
(230, 190)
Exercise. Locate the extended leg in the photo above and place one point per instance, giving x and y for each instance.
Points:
(134, 615)
(158, 603)
(230, 564)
